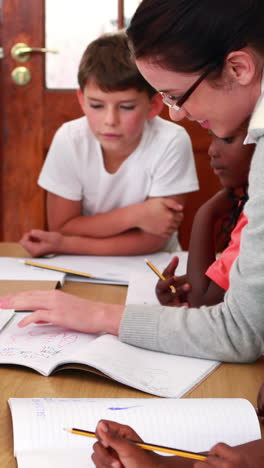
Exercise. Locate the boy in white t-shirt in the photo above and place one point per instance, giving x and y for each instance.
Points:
(117, 178)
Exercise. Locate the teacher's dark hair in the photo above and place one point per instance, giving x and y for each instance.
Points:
(189, 35)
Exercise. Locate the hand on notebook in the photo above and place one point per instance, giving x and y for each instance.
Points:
(65, 310)
(114, 450)
(163, 290)
(168, 213)
(38, 242)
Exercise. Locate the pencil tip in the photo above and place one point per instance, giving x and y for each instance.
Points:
(66, 429)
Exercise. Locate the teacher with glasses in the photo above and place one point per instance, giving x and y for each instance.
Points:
(206, 58)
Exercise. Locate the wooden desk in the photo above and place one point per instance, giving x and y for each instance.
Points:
(229, 380)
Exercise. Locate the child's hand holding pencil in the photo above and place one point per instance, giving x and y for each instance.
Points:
(120, 446)
(171, 290)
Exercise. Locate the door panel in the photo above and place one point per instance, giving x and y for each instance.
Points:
(22, 117)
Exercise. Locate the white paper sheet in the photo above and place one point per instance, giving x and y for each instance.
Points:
(187, 424)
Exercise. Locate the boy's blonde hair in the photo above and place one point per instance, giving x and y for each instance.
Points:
(108, 62)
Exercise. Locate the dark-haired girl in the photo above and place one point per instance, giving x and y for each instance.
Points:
(208, 276)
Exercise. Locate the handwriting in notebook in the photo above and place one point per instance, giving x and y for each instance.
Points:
(51, 342)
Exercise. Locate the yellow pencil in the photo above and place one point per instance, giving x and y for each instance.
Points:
(49, 267)
(158, 273)
(144, 445)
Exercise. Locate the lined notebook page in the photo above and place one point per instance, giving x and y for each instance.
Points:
(55, 460)
(188, 424)
(43, 347)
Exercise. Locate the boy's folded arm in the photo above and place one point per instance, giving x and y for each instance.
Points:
(65, 216)
(154, 215)
(133, 242)
(102, 225)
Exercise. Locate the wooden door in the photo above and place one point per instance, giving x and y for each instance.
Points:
(29, 117)
(31, 114)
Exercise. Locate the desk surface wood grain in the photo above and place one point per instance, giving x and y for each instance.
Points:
(229, 380)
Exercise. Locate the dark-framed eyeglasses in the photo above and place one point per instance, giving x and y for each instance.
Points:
(176, 102)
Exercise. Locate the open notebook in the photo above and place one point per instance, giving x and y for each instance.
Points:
(47, 348)
(112, 270)
(186, 424)
(12, 268)
(5, 317)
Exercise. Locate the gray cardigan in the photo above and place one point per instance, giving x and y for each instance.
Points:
(232, 331)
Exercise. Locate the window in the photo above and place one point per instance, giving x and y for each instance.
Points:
(71, 25)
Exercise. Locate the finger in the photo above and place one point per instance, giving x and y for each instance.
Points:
(103, 456)
(179, 215)
(34, 235)
(163, 286)
(166, 291)
(116, 437)
(24, 242)
(116, 429)
(176, 220)
(225, 451)
(37, 235)
(31, 247)
(39, 316)
(34, 239)
(182, 289)
(172, 204)
(170, 269)
(24, 237)
(28, 300)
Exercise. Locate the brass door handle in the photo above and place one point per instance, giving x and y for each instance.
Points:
(21, 52)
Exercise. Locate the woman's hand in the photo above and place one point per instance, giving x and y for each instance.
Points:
(65, 310)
